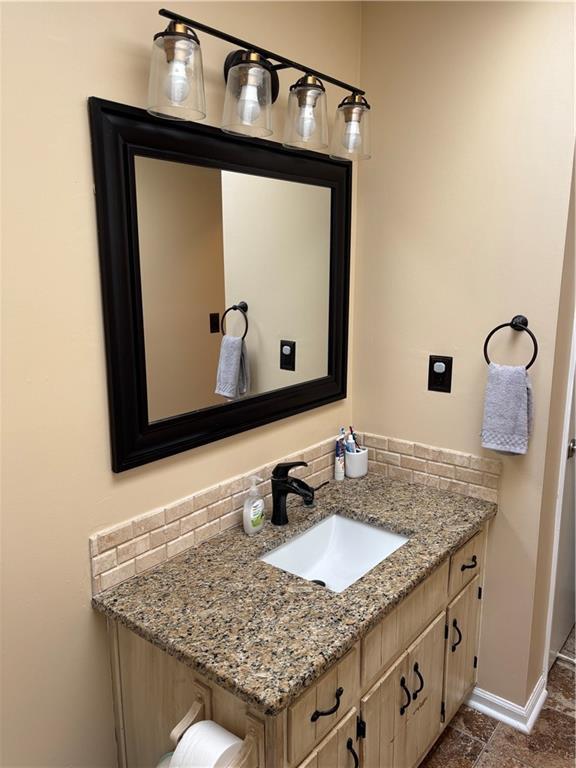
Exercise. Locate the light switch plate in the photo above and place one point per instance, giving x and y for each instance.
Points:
(287, 355)
(439, 380)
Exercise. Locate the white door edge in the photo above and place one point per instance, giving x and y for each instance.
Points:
(559, 500)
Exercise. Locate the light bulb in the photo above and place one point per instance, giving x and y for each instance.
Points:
(306, 121)
(248, 104)
(176, 85)
(352, 136)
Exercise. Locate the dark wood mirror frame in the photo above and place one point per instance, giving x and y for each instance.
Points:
(119, 133)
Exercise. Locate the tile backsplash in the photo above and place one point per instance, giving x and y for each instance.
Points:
(127, 549)
(437, 467)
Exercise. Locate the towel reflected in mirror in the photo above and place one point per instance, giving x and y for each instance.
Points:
(233, 376)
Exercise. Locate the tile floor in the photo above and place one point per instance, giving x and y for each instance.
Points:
(473, 740)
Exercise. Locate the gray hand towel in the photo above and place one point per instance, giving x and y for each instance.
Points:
(233, 377)
(507, 421)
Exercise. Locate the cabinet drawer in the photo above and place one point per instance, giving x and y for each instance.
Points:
(335, 751)
(466, 563)
(394, 633)
(322, 706)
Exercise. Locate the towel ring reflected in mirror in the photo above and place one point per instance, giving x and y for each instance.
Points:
(518, 323)
(241, 307)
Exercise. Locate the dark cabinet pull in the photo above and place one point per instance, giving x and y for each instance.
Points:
(472, 564)
(350, 748)
(318, 713)
(421, 680)
(459, 640)
(404, 707)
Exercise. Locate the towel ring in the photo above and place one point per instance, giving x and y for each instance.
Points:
(240, 307)
(518, 323)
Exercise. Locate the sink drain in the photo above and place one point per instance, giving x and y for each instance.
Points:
(319, 582)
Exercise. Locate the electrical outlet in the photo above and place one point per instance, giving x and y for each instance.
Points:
(287, 355)
(214, 322)
(440, 373)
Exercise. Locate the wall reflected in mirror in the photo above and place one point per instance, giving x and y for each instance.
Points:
(208, 239)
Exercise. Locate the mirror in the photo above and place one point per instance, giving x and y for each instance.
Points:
(192, 223)
(209, 239)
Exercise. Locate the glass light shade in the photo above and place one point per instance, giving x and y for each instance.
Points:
(306, 119)
(176, 84)
(248, 99)
(351, 134)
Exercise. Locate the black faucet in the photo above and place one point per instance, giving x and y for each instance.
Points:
(283, 484)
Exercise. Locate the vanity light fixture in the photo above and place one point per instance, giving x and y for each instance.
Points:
(351, 135)
(251, 87)
(251, 73)
(176, 84)
(306, 121)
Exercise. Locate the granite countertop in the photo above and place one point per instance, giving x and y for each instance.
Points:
(265, 634)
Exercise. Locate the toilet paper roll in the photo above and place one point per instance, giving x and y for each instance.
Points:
(206, 745)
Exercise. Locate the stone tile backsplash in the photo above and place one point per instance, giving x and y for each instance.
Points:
(127, 549)
(437, 467)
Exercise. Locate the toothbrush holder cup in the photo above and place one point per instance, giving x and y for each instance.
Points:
(356, 463)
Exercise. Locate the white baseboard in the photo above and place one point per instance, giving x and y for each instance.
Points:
(521, 718)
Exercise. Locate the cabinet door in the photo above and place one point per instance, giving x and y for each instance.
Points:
(463, 620)
(423, 680)
(381, 708)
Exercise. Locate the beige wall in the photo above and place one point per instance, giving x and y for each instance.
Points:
(277, 258)
(182, 274)
(462, 220)
(58, 487)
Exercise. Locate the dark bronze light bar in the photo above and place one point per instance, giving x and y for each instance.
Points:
(284, 63)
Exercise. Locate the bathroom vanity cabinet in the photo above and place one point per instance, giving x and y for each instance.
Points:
(381, 705)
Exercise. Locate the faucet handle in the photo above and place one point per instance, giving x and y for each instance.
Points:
(281, 470)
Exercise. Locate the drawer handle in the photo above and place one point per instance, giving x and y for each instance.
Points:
(459, 640)
(404, 707)
(473, 564)
(350, 748)
(318, 713)
(421, 679)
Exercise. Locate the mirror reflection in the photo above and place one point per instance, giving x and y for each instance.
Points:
(208, 240)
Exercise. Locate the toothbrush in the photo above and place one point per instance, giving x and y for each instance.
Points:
(350, 443)
(354, 437)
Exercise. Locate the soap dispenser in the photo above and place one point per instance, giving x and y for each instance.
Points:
(253, 517)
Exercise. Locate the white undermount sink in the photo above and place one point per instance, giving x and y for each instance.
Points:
(335, 552)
